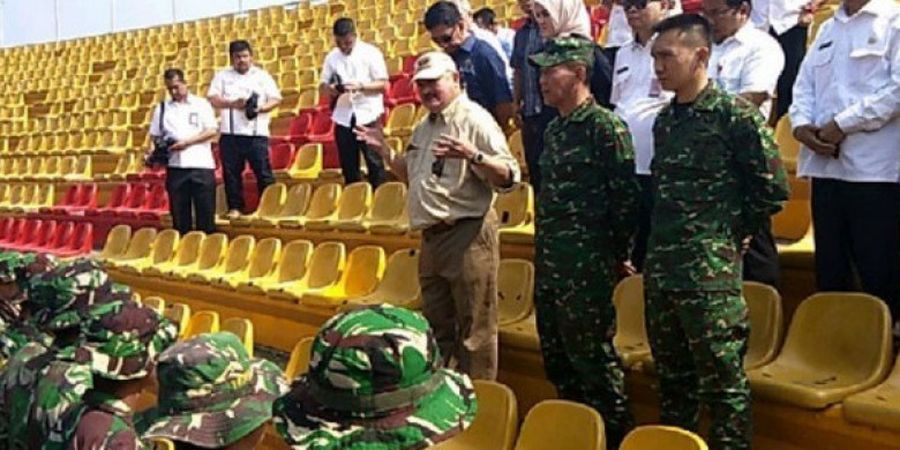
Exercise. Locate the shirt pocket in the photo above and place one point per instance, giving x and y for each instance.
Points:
(869, 63)
(821, 60)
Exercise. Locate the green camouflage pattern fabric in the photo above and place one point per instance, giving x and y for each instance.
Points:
(17, 382)
(102, 422)
(58, 393)
(211, 393)
(563, 50)
(13, 337)
(16, 271)
(63, 296)
(123, 339)
(718, 178)
(375, 382)
(586, 218)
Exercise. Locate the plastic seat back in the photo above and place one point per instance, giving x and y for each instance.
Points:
(157, 198)
(70, 198)
(243, 329)
(574, 427)
(495, 424)
(628, 298)
(237, 256)
(263, 258)
(29, 194)
(401, 118)
(766, 323)
(162, 444)
(280, 155)
(189, 248)
(365, 266)
(141, 243)
(297, 202)
(515, 290)
(44, 195)
(164, 246)
(516, 207)
(793, 221)
(298, 364)
(179, 314)
(221, 200)
(325, 264)
(202, 322)
(308, 160)
(137, 197)
(211, 251)
(272, 200)
(28, 232)
(388, 202)
(355, 201)
(45, 234)
(517, 149)
(117, 242)
(401, 276)
(662, 437)
(119, 195)
(83, 238)
(788, 146)
(324, 201)
(294, 261)
(64, 232)
(87, 196)
(155, 303)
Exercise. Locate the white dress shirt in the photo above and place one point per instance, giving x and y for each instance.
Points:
(851, 74)
(620, 32)
(494, 41)
(364, 64)
(638, 97)
(184, 120)
(231, 85)
(748, 61)
(780, 15)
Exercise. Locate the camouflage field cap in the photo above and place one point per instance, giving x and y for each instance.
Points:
(376, 383)
(123, 339)
(18, 267)
(63, 296)
(566, 49)
(211, 393)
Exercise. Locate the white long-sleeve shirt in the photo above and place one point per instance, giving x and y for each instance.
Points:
(851, 74)
(780, 15)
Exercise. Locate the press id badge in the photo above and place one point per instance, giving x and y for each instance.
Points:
(194, 119)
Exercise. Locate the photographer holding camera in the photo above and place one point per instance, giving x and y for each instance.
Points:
(244, 95)
(182, 129)
(354, 77)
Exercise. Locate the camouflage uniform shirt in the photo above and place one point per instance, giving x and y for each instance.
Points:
(17, 383)
(718, 178)
(104, 422)
(58, 393)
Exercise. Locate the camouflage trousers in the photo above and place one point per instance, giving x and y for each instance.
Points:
(699, 339)
(576, 322)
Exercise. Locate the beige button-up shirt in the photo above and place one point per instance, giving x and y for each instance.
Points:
(462, 191)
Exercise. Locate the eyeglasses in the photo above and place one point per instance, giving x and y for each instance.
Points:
(639, 4)
(443, 39)
(717, 12)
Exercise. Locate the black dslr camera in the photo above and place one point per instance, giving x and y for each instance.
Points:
(161, 152)
(251, 107)
(339, 87)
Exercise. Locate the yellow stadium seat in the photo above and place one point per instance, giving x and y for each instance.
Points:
(766, 324)
(575, 427)
(81, 169)
(307, 163)
(298, 364)
(162, 444)
(116, 242)
(879, 406)
(386, 209)
(179, 314)
(363, 271)
(139, 246)
(43, 197)
(515, 290)
(155, 303)
(400, 121)
(162, 250)
(186, 252)
(631, 340)
(243, 329)
(793, 221)
(323, 204)
(236, 259)
(838, 344)
(308, 99)
(207, 257)
(271, 202)
(517, 148)
(29, 192)
(202, 322)
(399, 285)
(515, 211)
(352, 207)
(290, 268)
(123, 163)
(4, 194)
(787, 144)
(293, 208)
(661, 437)
(261, 264)
(322, 272)
(495, 424)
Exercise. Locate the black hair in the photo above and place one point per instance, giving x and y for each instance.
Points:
(442, 13)
(173, 74)
(486, 16)
(735, 4)
(693, 24)
(239, 46)
(343, 26)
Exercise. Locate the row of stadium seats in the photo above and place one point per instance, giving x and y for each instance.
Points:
(50, 168)
(64, 239)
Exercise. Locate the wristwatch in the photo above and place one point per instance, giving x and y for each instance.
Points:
(478, 159)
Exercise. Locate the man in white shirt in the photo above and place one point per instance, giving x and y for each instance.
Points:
(846, 113)
(788, 22)
(638, 97)
(746, 62)
(245, 138)
(465, 9)
(189, 121)
(354, 77)
(486, 19)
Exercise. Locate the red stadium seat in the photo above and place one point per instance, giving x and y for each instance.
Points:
(26, 234)
(13, 231)
(42, 237)
(322, 128)
(409, 64)
(156, 204)
(68, 200)
(80, 241)
(87, 199)
(5, 223)
(298, 130)
(155, 173)
(401, 91)
(117, 200)
(281, 155)
(137, 197)
(63, 234)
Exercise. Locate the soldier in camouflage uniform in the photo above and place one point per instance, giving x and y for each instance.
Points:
(586, 217)
(213, 395)
(120, 348)
(16, 271)
(375, 382)
(717, 179)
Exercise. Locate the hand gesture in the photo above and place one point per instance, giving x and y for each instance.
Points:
(239, 103)
(448, 146)
(178, 146)
(831, 133)
(809, 136)
(373, 137)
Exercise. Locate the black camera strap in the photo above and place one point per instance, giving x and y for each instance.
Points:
(162, 115)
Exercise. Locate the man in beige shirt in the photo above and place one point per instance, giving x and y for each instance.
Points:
(456, 159)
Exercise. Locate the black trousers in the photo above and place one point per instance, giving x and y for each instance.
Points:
(857, 226)
(192, 199)
(793, 43)
(349, 149)
(533, 128)
(236, 152)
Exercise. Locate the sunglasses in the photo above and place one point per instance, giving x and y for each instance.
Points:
(443, 40)
(639, 4)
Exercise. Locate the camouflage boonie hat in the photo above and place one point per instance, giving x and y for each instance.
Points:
(123, 339)
(375, 382)
(211, 393)
(63, 296)
(17, 269)
(567, 49)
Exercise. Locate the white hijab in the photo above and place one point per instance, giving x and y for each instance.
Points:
(568, 16)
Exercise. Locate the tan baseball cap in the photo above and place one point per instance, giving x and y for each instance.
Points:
(434, 65)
